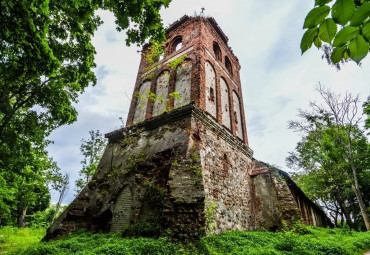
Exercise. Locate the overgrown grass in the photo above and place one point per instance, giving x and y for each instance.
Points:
(315, 241)
(12, 238)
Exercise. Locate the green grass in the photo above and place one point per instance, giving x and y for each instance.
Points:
(315, 241)
(12, 238)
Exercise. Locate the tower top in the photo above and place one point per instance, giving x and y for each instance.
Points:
(197, 65)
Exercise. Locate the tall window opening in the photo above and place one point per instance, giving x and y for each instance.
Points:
(228, 65)
(217, 51)
(177, 43)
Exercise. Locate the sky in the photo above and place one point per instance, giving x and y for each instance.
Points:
(276, 79)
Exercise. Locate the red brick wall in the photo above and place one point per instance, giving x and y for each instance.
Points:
(198, 35)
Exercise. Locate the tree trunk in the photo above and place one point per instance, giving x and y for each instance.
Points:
(362, 207)
(357, 192)
(347, 215)
(22, 218)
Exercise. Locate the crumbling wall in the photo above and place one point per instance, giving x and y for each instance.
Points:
(145, 175)
(183, 174)
(277, 198)
(225, 176)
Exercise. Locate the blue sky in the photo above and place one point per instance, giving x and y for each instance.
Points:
(276, 78)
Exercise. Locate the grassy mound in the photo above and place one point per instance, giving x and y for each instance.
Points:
(311, 240)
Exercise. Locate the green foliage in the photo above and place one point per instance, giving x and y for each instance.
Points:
(92, 150)
(153, 53)
(43, 219)
(173, 64)
(152, 97)
(366, 107)
(12, 238)
(319, 241)
(332, 158)
(352, 39)
(47, 61)
(210, 214)
(142, 229)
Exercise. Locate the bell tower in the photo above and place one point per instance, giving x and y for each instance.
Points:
(182, 165)
(198, 64)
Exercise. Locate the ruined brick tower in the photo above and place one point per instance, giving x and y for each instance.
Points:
(182, 165)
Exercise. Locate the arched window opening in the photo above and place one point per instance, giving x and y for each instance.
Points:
(177, 44)
(228, 65)
(217, 51)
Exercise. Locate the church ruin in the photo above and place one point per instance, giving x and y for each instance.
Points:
(182, 165)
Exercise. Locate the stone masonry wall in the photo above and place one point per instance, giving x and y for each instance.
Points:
(185, 175)
(226, 187)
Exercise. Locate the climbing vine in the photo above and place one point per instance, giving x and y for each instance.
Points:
(210, 214)
(154, 98)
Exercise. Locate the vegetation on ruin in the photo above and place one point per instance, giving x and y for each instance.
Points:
(301, 240)
(152, 97)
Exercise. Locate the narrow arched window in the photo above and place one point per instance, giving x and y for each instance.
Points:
(176, 44)
(228, 65)
(217, 51)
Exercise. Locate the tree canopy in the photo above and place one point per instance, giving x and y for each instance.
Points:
(92, 150)
(334, 157)
(46, 62)
(344, 25)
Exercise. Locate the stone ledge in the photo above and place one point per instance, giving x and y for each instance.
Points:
(187, 111)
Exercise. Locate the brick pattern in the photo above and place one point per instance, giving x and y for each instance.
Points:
(198, 36)
(122, 210)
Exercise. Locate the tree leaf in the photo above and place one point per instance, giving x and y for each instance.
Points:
(366, 31)
(337, 54)
(328, 30)
(346, 54)
(342, 11)
(316, 16)
(358, 48)
(321, 2)
(317, 41)
(361, 14)
(345, 35)
(308, 38)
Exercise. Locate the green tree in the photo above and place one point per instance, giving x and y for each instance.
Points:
(46, 62)
(92, 150)
(335, 150)
(366, 107)
(343, 27)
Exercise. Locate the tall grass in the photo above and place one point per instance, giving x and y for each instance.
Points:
(12, 238)
(310, 240)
